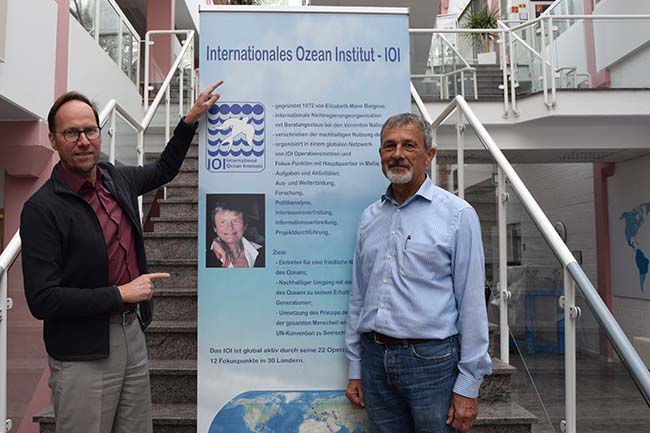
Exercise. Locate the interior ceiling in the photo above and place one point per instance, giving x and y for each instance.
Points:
(136, 13)
(422, 15)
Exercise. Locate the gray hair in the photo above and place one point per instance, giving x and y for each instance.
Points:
(405, 119)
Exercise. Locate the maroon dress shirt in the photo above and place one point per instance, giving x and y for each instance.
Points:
(115, 224)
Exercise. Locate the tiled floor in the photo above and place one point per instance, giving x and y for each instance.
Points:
(608, 401)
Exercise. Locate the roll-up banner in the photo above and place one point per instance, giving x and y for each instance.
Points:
(288, 160)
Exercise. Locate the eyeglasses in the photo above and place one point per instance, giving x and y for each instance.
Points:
(71, 135)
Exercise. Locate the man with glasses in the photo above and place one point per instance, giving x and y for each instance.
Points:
(417, 333)
(85, 271)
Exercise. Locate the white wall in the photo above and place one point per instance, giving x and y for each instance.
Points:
(27, 75)
(633, 70)
(92, 72)
(565, 193)
(570, 49)
(615, 40)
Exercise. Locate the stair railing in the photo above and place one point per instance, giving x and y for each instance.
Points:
(572, 272)
(454, 74)
(547, 54)
(498, 32)
(181, 64)
(13, 249)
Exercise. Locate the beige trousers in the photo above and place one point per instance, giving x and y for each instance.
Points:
(108, 395)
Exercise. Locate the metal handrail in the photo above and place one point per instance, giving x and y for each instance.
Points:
(467, 65)
(188, 44)
(572, 270)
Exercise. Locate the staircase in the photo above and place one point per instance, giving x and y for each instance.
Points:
(172, 336)
(488, 80)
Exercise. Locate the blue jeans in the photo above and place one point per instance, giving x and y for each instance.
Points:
(407, 388)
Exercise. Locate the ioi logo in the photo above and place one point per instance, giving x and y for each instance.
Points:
(235, 139)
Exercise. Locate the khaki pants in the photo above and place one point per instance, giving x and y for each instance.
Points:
(108, 395)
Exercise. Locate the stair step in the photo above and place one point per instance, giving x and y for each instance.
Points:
(187, 176)
(182, 374)
(175, 225)
(503, 417)
(171, 340)
(175, 304)
(181, 418)
(183, 272)
(190, 163)
(496, 387)
(177, 189)
(180, 207)
(167, 418)
(173, 381)
(170, 245)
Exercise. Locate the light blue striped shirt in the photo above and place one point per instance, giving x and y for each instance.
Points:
(419, 273)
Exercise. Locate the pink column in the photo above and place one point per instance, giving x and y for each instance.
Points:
(603, 253)
(599, 78)
(161, 16)
(27, 158)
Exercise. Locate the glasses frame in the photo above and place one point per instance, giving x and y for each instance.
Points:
(78, 132)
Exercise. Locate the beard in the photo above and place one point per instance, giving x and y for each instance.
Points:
(398, 176)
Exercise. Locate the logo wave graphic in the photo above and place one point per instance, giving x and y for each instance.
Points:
(236, 130)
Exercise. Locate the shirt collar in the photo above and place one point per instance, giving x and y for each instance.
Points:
(426, 191)
(73, 180)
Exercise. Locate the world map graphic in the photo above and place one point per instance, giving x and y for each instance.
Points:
(289, 412)
(634, 221)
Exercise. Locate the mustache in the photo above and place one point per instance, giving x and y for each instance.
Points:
(394, 163)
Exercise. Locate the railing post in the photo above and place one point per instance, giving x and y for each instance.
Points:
(111, 142)
(120, 42)
(475, 86)
(147, 43)
(462, 83)
(504, 294)
(506, 103)
(513, 72)
(180, 92)
(140, 155)
(460, 138)
(551, 48)
(167, 113)
(571, 314)
(542, 52)
(5, 304)
(97, 20)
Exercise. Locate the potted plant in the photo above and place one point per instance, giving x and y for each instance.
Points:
(482, 18)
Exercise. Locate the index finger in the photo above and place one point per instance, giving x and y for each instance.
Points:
(214, 86)
(158, 275)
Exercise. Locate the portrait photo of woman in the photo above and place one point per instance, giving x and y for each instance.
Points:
(235, 237)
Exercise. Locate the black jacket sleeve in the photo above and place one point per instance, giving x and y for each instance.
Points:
(43, 258)
(151, 176)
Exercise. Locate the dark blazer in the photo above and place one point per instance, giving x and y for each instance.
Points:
(211, 261)
(65, 264)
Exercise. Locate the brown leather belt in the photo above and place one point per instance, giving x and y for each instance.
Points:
(124, 318)
(392, 341)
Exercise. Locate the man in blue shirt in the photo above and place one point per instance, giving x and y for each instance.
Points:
(417, 332)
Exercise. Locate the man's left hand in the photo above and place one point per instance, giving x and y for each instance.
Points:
(203, 103)
(462, 412)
